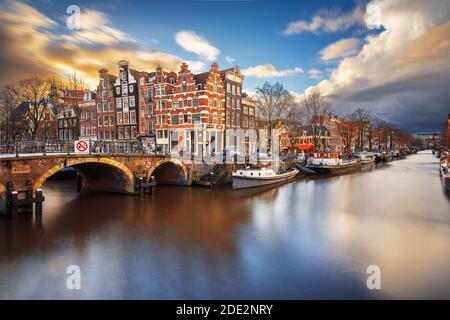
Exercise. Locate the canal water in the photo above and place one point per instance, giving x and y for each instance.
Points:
(310, 238)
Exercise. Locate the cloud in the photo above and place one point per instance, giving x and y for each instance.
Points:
(402, 72)
(268, 70)
(33, 45)
(230, 60)
(197, 44)
(315, 74)
(96, 29)
(327, 21)
(340, 49)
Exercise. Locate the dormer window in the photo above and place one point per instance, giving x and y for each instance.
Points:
(184, 87)
(199, 86)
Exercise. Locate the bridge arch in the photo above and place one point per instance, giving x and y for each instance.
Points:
(82, 164)
(170, 171)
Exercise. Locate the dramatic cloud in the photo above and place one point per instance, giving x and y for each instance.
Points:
(403, 72)
(268, 71)
(327, 21)
(96, 29)
(35, 45)
(315, 74)
(340, 49)
(192, 42)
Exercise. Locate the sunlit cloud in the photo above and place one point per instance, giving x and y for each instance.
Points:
(197, 44)
(315, 74)
(340, 49)
(268, 71)
(326, 21)
(33, 45)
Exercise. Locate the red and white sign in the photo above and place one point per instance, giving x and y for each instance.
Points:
(82, 146)
(148, 165)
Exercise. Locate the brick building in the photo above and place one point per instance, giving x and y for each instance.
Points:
(106, 124)
(195, 105)
(88, 116)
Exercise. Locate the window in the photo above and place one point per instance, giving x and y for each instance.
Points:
(184, 87)
(239, 91)
(175, 105)
(228, 87)
(101, 135)
(132, 116)
(93, 115)
(126, 132)
(132, 102)
(211, 119)
(105, 107)
(228, 105)
(175, 120)
(106, 121)
(119, 118)
(103, 95)
(99, 107)
(219, 104)
(185, 118)
(111, 120)
(211, 103)
(141, 81)
(233, 89)
(110, 107)
(120, 133)
(131, 88)
(119, 103)
(125, 103)
(117, 90)
(196, 118)
(142, 111)
(100, 121)
(195, 103)
(238, 103)
(126, 118)
(124, 88)
(185, 103)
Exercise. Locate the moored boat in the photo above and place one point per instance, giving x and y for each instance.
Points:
(444, 172)
(250, 178)
(366, 157)
(330, 162)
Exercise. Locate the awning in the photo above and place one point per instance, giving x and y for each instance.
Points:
(308, 146)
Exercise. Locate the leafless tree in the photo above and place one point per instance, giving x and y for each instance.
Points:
(273, 104)
(34, 91)
(362, 123)
(293, 122)
(74, 82)
(8, 105)
(315, 110)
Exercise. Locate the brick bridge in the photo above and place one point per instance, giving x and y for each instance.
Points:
(107, 172)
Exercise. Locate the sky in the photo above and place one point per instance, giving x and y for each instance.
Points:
(391, 57)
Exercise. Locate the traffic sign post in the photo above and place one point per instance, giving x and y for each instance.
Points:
(82, 146)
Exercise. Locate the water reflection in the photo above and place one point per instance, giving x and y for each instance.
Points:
(311, 238)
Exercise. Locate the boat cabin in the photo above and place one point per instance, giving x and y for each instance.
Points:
(325, 158)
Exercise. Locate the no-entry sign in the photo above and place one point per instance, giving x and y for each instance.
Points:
(148, 165)
(81, 146)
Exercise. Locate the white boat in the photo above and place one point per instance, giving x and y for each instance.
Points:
(250, 178)
(444, 172)
(366, 157)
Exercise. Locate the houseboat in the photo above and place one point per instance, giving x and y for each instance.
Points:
(366, 157)
(250, 178)
(330, 162)
(444, 172)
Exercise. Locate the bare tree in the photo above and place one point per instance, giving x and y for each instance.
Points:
(74, 82)
(35, 92)
(293, 122)
(273, 104)
(362, 122)
(8, 120)
(315, 110)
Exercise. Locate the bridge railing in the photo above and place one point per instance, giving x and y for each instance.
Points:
(67, 147)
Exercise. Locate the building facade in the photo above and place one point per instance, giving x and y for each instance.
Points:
(106, 124)
(126, 97)
(88, 116)
(189, 111)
